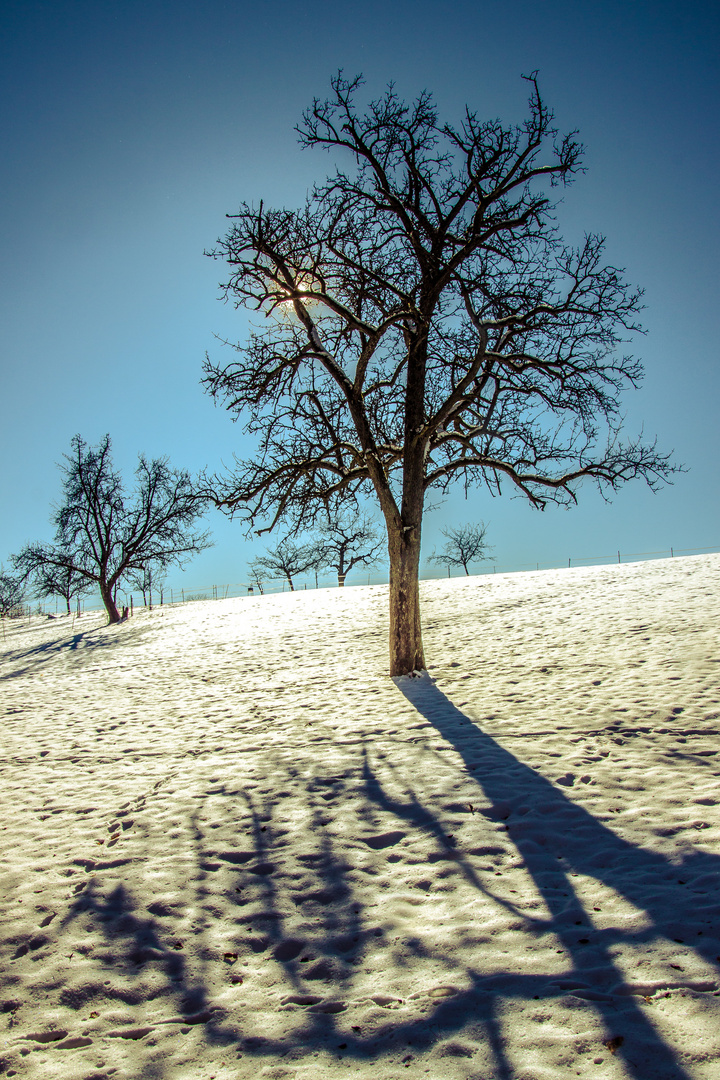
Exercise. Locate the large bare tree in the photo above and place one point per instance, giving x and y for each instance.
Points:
(426, 325)
(103, 535)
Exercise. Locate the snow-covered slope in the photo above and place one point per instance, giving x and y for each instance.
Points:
(233, 847)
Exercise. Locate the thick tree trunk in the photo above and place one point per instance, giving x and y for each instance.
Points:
(109, 601)
(341, 580)
(406, 648)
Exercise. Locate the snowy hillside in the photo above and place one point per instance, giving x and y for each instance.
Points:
(232, 847)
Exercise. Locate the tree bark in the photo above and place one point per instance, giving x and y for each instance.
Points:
(341, 580)
(109, 601)
(406, 648)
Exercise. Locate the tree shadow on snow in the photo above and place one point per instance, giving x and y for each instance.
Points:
(575, 842)
(306, 910)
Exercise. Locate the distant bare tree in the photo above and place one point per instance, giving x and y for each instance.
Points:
(465, 545)
(103, 536)
(346, 542)
(63, 581)
(146, 579)
(287, 560)
(427, 325)
(12, 591)
(257, 576)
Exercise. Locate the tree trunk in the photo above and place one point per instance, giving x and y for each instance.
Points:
(67, 601)
(406, 648)
(290, 581)
(341, 580)
(109, 601)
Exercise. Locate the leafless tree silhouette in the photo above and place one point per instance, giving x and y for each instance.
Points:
(465, 544)
(287, 560)
(102, 536)
(426, 325)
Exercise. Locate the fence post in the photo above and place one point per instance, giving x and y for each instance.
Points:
(671, 553)
(568, 564)
(131, 604)
(618, 556)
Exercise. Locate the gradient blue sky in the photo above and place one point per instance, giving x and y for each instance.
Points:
(129, 130)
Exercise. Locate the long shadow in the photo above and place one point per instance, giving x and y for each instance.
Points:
(575, 841)
(40, 654)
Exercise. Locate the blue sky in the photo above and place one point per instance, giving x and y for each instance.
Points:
(130, 129)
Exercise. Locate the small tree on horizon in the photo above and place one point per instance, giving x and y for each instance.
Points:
(287, 560)
(465, 544)
(12, 593)
(346, 541)
(63, 581)
(427, 325)
(102, 535)
(145, 580)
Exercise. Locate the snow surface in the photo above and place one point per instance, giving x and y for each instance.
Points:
(233, 847)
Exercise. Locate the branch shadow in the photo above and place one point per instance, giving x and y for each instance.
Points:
(575, 842)
(37, 656)
(304, 911)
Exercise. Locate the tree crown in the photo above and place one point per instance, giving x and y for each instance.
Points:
(425, 322)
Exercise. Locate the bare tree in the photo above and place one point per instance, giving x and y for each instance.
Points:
(257, 576)
(63, 581)
(286, 560)
(146, 579)
(465, 545)
(102, 535)
(346, 542)
(12, 592)
(427, 325)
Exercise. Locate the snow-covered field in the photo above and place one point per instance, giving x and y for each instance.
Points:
(233, 847)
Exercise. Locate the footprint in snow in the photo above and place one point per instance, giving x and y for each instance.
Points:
(383, 840)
